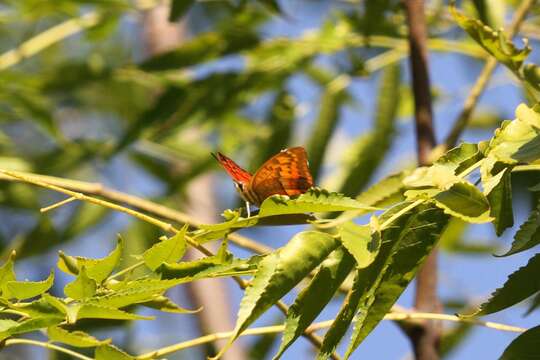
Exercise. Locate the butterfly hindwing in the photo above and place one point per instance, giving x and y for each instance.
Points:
(286, 173)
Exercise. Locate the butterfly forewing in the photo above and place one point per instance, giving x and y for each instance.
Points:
(235, 171)
(286, 173)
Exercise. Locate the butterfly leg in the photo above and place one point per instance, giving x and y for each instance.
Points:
(248, 210)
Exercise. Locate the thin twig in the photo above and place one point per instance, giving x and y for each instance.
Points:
(396, 316)
(483, 79)
(47, 345)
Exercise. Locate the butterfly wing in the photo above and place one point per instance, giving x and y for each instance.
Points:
(238, 174)
(286, 173)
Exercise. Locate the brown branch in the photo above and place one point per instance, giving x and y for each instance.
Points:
(483, 79)
(425, 336)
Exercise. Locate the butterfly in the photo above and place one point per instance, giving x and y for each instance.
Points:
(286, 173)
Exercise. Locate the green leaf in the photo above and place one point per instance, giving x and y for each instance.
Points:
(494, 42)
(179, 8)
(163, 303)
(29, 289)
(404, 247)
(465, 201)
(361, 241)
(498, 190)
(515, 141)
(314, 297)
(279, 272)
(82, 287)
(314, 200)
(461, 157)
(331, 100)
(520, 285)
(167, 251)
(361, 161)
(534, 304)
(7, 274)
(97, 269)
(30, 325)
(93, 311)
(111, 352)
(385, 192)
(74, 338)
(525, 346)
(343, 319)
(528, 234)
(529, 115)
(6, 324)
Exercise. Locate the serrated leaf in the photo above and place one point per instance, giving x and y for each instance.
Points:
(361, 241)
(36, 308)
(278, 273)
(7, 274)
(167, 251)
(384, 191)
(515, 141)
(97, 269)
(314, 297)
(525, 346)
(93, 311)
(465, 201)
(163, 303)
(404, 247)
(520, 285)
(30, 325)
(314, 200)
(74, 338)
(343, 319)
(29, 289)
(494, 42)
(528, 234)
(460, 157)
(111, 352)
(498, 190)
(82, 287)
(529, 115)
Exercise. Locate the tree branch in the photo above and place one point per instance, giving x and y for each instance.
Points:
(425, 336)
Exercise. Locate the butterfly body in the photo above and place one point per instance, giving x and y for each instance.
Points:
(286, 173)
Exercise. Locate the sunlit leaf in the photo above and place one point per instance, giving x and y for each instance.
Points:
(74, 338)
(167, 251)
(92, 311)
(97, 269)
(314, 297)
(361, 241)
(29, 289)
(29, 325)
(82, 287)
(404, 248)
(279, 272)
(111, 352)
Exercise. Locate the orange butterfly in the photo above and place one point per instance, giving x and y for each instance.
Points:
(286, 173)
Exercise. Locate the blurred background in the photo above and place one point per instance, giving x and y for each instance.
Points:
(134, 95)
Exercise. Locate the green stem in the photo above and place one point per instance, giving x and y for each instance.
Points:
(46, 345)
